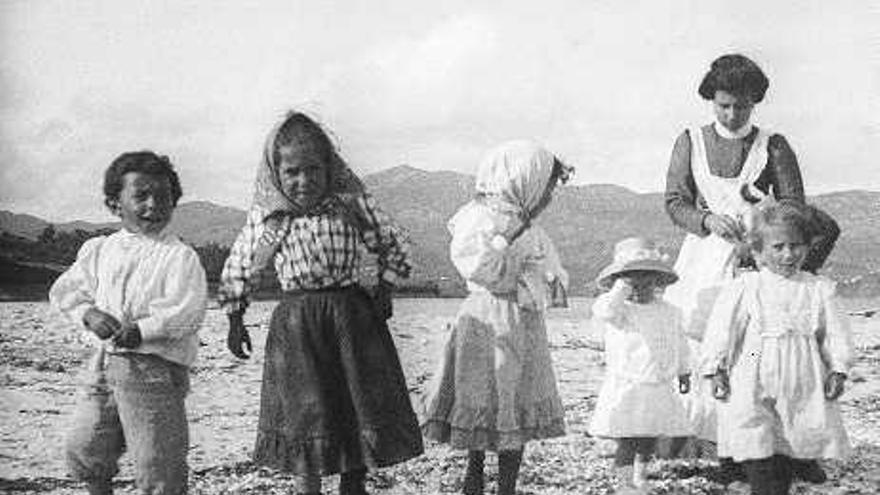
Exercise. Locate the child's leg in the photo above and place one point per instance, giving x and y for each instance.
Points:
(508, 471)
(350, 483)
(473, 478)
(623, 460)
(643, 449)
(150, 392)
(761, 474)
(95, 441)
(782, 468)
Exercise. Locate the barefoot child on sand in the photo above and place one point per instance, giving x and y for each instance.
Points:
(496, 389)
(645, 353)
(778, 350)
(142, 292)
(333, 397)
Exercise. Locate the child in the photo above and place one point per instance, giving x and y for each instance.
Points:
(142, 292)
(333, 397)
(777, 351)
(645, 351)
(496, 389)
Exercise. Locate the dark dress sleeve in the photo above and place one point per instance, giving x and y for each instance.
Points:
(782, 172)
(681, 198)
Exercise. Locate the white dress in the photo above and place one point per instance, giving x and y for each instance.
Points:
(705, 263)
(495, 388)
(645, 352)
(780, 337)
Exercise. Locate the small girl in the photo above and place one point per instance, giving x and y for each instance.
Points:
(496, 389)
(645, 351)
(333, 397)
(778, 350)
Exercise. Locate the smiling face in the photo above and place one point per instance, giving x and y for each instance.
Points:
(145, 203)
(783, 249)
(732, 111)
(303, 175)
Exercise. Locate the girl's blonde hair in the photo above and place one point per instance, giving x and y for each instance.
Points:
(790, 213)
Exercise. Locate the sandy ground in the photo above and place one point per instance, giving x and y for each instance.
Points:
(39, 362)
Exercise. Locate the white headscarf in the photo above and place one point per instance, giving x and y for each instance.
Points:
(514, 176)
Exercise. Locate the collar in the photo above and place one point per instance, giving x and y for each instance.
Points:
(737, 134)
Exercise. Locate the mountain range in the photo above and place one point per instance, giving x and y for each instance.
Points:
(585, 221)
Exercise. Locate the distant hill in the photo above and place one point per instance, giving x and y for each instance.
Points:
(585, 221)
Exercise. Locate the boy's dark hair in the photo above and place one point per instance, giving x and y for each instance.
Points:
(737, 75)
(786, 212)
(300, 128)
(145, 162)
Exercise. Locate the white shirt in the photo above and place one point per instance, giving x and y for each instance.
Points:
(157, 283)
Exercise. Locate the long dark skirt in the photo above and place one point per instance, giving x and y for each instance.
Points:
(334, 398)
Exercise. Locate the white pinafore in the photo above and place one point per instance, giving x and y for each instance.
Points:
(705, 263)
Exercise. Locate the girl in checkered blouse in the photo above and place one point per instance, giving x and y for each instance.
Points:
(333, 397)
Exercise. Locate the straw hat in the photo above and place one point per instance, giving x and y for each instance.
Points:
(636, 254)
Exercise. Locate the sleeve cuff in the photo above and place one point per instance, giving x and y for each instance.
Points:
(499, 243)
(389, 276)
(150, 328)
(79, 313)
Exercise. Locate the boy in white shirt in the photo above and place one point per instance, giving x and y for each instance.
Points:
(142, 293)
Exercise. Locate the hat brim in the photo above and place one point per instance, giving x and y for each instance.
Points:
(607, 276)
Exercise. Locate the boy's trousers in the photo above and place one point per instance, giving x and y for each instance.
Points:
(132, 402)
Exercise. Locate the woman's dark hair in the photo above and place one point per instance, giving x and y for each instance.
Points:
(145, 162)
(299, 128)
(737, 75)
(790, 213)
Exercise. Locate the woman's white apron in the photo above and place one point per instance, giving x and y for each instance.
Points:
(705, 263)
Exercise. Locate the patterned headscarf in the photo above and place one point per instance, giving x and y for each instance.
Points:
(268, 193)
(513, 177)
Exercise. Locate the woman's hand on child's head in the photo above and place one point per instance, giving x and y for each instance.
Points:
(724, 226)
(238, 338)
(684, 383)
(721, 385)
(834, 385)
(100, 323)
(129, 336)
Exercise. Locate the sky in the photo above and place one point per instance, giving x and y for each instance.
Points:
(607, 85)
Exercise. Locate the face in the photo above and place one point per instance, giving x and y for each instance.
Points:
(304, 175)
(783, 250)
(646, 285)
(145, 203)
(732, 111)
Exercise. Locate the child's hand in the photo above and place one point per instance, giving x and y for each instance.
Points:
(834, 385)
(238, 337)
(383, 300)
(100, 323)
(721, 385)
(516, 227)
(684, 383)
(129, 336)
(623, 284)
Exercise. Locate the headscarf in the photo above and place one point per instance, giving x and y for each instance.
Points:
(270, 198)
(268, 193)
(512, 177)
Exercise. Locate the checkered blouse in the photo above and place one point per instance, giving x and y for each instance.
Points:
(319, 250)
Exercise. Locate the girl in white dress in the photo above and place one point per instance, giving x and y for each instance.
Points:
(645, 353)
(777, 350)
(496, 389)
